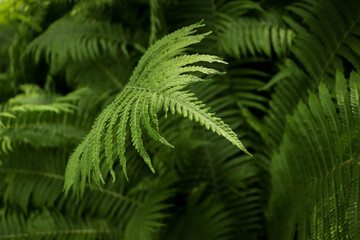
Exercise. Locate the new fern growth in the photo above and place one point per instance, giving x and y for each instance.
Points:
(157, 83)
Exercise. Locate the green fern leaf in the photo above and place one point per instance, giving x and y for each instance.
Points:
(158, 82)
(79, 39)
(49, 224)
(316, 171)
(316, 54)
(42, 119)
(246, 37)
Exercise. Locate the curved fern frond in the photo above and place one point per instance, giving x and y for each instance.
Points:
(80, 39)
(316, 172)
(230, 177)
(244, 37)
(185, 12)
(157, 83)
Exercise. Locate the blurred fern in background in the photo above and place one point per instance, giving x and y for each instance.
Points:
(105, 107)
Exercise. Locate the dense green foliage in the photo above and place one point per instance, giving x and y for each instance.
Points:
(89, 149)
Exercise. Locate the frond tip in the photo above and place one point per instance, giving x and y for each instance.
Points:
(157, 83)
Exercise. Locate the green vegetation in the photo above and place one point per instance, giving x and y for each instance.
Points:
(179, 119)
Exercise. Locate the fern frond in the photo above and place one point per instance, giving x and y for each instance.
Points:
(316, 172)
(39, 184)
(230, 177)
(80, 39)
(331, 41)
(157, 83)
(245, 37)
(186, 12)
(42, 119)
(147, 218)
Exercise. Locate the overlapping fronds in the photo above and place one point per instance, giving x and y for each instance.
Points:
(206, 158)
(217, 95)
(291, 91)
(32, 185)
(41, 119)
(157, 83)
(213, 13)
(316, 172)
(332, 40)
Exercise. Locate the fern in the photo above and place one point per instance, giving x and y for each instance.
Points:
(320, 52)
(41, 119)
(245, 37)
(203, 158)
(291, 89)
(39, 184)
(316, 171)
(86, 43)
(157, 82)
